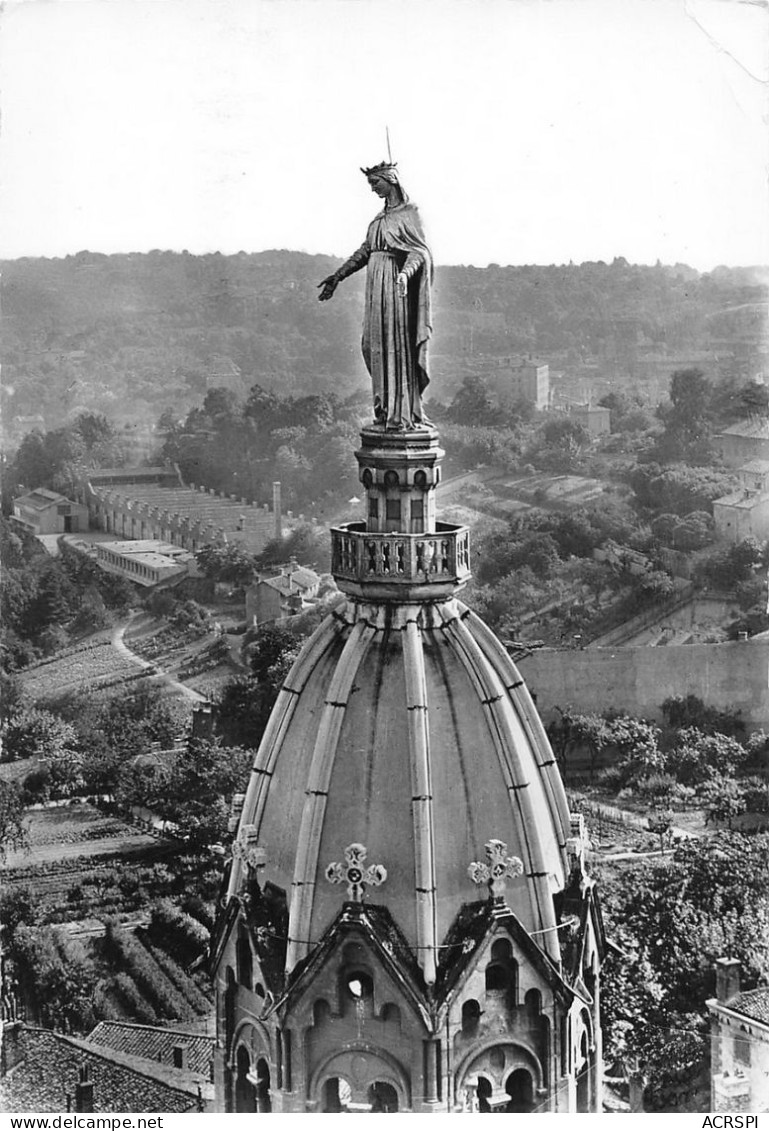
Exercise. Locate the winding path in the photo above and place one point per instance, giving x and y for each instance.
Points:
(119, 644)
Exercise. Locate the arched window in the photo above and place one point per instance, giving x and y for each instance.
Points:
(359, 985)
(497, 978)
(383, 1097)
(502, 972)
(391, 1014)
(336, 1095)
(245, 1094)
(471, 1017)
(533, 1002)
(520, 1089)
(321, 1011)
(263, 1099)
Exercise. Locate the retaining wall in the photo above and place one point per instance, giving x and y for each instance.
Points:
(637, 680)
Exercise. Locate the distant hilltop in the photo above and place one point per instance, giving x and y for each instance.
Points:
(131, 335)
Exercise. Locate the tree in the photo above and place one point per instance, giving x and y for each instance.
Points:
(655, 585)
(683, 711)
(229, 563)
(753, 399)
(200, 787)
(221, 404)
(672, 919)
(698, 757)
(58, 977)
(13, 834)
(472, 402)
(563, 432)
(94, 428)
(694, 531)
(637, 743)
(307, 543)
(660, 823)
(37, 733)
(687, 421)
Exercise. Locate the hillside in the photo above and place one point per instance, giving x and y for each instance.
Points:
(132, 335)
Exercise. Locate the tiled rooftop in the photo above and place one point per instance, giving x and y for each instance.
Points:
(41, 497)
(753, 1004)
(47, 1066)
(155, 1043)
(297, 580)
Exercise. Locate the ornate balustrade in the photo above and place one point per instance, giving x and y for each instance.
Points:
(400, 566)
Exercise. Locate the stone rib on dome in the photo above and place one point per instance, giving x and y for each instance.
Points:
(406, 728)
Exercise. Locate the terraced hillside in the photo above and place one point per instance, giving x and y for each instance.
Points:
(107, 904)
(94, 666)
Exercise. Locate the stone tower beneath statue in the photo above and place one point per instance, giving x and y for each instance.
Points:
(408, 923)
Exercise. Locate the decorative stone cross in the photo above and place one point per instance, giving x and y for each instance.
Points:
(499, 868)
(246, 849)
(354, 874)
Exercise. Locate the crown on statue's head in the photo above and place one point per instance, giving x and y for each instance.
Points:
(386, 169)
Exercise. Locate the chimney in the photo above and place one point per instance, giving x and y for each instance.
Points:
(203, 720)
(278, 532)
(84, 1090)
(13, 1048)
(727, 978)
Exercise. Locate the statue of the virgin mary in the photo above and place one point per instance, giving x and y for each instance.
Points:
(396, 322)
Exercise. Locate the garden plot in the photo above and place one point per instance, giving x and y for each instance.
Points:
(64, 833)
(95, 665)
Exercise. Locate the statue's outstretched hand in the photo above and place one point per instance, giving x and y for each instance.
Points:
(329, 285)
(403, 285)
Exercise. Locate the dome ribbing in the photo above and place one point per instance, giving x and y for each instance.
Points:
(406, 728)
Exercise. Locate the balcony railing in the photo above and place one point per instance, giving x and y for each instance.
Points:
(390, 562)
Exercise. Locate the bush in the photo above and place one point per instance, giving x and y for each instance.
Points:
(128, 992)
(198, 908)
(698, 757)
(176, 931)
(125, 950)
(656, 787)
(682, 711)
(755, 793)
(184, 984)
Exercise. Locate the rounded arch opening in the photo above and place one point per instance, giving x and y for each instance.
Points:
(245, 1093)
(471, 1017)
(501, 974)
(520, 1088)
(359, 985)
(391, 1013)
(533, 1002)
(336, 1094)
(321, 1011)
(262, 1088)
(383, 1097)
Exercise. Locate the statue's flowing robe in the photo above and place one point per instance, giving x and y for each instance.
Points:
(396, 331)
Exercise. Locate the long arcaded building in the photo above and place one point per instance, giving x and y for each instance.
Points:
(153, 504)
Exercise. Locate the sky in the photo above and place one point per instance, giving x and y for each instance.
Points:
(527, 131)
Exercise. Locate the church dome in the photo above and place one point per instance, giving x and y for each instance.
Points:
(408, 921)
(406, 728)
